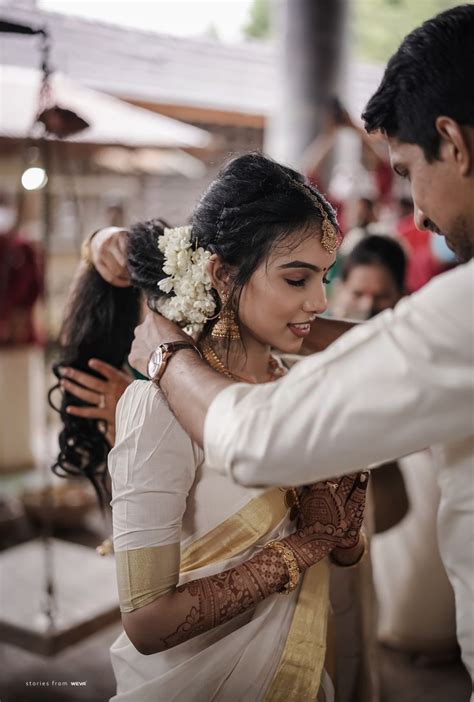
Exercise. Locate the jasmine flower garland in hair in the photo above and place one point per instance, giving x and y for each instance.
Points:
(186, 267)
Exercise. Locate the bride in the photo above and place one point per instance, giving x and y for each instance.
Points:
(224, 590)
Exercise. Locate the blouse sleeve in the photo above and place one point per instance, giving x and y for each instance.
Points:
(152, 467)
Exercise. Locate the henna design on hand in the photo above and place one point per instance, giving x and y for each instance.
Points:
(330, 517)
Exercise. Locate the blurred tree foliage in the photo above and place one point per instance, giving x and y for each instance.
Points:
(259, 25)
(377, 26)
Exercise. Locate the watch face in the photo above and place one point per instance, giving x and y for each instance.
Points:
(154, 364)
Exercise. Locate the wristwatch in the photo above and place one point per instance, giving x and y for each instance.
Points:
(161, 355)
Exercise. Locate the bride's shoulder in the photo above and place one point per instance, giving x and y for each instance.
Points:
(141, 391)
(150, 443)
(144, 405)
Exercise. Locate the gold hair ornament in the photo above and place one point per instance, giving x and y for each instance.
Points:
(329, 238)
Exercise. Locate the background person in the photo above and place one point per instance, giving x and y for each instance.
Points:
(372, 279)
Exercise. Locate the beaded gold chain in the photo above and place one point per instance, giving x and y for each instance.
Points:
(275, 370)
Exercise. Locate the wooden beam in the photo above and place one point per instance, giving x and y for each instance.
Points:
(203, 115)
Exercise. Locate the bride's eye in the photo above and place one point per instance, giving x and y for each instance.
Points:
(297, 283)
(326, 280)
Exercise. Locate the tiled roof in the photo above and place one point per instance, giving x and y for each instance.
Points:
(164, 69)
(110, 119)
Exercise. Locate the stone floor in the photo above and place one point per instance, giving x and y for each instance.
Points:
(402, 680)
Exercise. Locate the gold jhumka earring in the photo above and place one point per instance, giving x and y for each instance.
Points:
(226, 326)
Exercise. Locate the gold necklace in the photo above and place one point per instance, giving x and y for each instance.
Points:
(275, 370)
(215, 362)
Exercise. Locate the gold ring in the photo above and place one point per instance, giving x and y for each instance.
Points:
(101, 404)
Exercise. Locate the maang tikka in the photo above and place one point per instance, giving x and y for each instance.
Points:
(329, 237)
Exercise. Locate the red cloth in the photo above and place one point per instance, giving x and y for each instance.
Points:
(422, 266)
(383, 176)
(21, 283)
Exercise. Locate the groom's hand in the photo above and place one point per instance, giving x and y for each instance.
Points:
(155, 330)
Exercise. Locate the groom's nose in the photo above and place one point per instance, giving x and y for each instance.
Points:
(421, 220)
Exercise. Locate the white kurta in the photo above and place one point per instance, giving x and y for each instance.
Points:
(415, 598)
(392, 386)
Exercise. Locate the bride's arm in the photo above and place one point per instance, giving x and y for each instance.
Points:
(203, 604)
(192, 385)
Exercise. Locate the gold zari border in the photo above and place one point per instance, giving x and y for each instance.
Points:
(237, 533)
(298, 675)
(140, 576)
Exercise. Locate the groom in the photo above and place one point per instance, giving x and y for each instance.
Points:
(400, 382)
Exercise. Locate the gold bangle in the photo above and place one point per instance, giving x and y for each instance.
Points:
(334, 561)
(291, 565)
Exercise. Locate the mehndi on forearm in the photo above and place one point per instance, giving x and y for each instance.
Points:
(200, 605)
(203, 604)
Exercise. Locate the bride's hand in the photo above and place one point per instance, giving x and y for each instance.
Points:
(331, 516)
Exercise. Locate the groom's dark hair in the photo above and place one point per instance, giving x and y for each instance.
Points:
(431, 74)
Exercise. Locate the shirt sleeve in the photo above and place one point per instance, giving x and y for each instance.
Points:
(152, 467)
(389, 387)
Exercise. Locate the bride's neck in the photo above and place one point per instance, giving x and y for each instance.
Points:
(249, 358)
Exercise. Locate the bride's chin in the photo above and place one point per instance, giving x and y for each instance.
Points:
(290, 345)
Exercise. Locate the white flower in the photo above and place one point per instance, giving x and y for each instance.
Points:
(166, 285)
(192, 303)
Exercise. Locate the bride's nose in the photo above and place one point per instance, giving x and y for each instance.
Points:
(317, 303)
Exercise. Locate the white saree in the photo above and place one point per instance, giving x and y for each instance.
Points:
(176, 519)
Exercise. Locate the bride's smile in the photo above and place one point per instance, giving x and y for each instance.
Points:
(285, 293)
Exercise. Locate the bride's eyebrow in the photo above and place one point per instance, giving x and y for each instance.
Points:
(301, 264)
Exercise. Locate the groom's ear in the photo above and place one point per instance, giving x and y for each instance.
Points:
(219, 273)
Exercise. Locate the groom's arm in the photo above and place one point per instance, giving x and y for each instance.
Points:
(390, 387)
(189, 384)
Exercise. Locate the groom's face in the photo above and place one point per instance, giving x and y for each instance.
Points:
(441, 191)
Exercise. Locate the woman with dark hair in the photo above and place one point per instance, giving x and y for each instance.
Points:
(373, 278)
(199, 560)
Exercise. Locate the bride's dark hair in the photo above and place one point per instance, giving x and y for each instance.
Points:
(99, 322)
(252, 204)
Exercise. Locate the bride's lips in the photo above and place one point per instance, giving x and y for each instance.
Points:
(300, 330)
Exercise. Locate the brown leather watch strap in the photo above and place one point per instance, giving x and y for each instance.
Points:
(168, 349)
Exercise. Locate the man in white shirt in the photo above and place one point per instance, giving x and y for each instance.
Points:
(402, 381)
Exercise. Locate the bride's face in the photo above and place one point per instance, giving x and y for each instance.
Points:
(285, 293)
